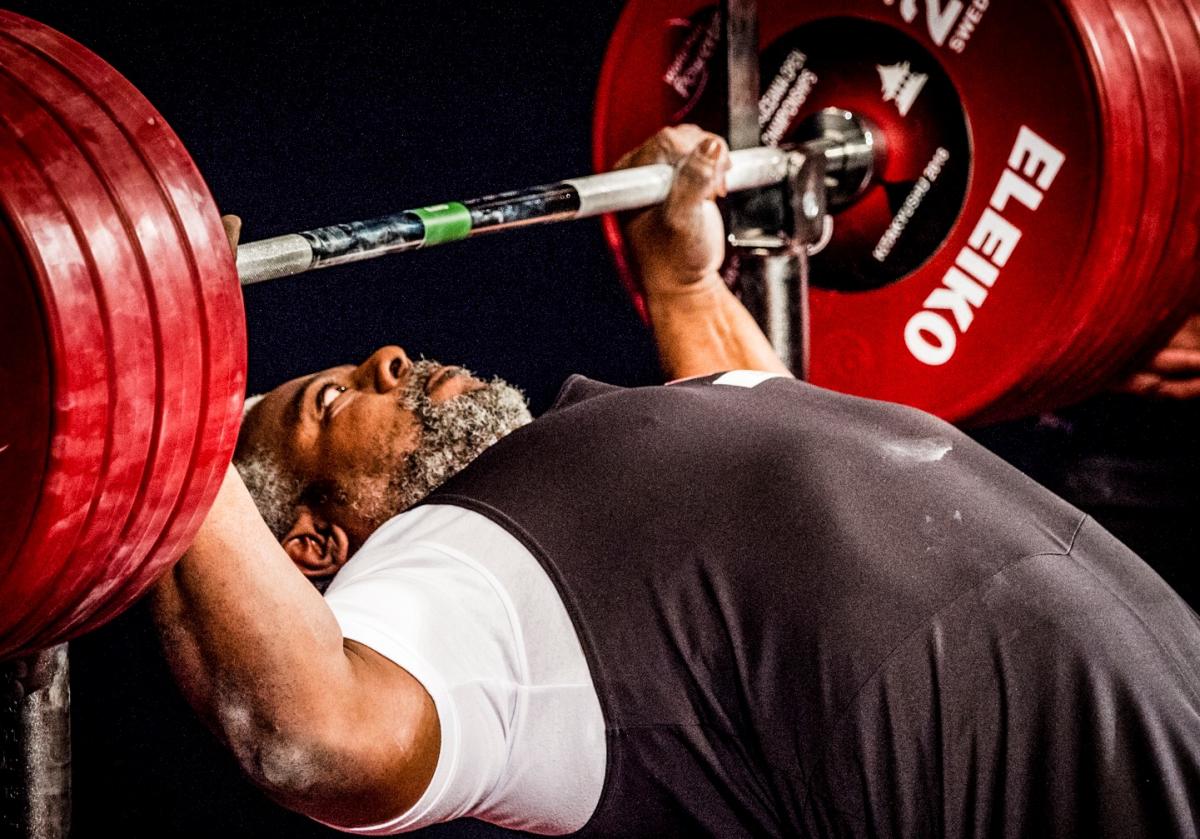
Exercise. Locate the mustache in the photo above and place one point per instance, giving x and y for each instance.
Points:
(415, 394)
(419, 377)
(453, 433)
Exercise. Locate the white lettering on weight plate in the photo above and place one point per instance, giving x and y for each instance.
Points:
(931, 335)
(950, 24)
(785, 96)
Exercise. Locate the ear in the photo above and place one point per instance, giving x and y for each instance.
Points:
(317, 546)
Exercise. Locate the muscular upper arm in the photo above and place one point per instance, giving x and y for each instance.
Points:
(388, 734)
(364, 758)
(326, 727)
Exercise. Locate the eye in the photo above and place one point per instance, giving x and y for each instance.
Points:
(327, 395)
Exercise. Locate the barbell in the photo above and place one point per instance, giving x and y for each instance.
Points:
(972, 278)
(121, 310)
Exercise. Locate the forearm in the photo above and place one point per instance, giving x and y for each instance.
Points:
(703, 328)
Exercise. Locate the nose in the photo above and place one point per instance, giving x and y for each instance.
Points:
(386, 368)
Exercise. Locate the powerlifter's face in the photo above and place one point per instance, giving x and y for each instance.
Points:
(347, 419)
(350, 423)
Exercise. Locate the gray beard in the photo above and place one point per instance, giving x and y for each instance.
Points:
(453, 433)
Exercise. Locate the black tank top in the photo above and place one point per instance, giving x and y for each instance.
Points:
(811, 614)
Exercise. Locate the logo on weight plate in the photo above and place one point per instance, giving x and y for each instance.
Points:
(901, 85)
(687, 74)
(1033, 165)
(955, 20)
(785, 96)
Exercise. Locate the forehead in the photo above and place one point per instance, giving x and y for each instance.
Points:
(281, 406)
(270, 415)
(272, 423)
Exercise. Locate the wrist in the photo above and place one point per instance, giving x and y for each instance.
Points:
(683, 288)
(705, 329)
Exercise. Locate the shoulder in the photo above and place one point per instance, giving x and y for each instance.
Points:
(421, 592)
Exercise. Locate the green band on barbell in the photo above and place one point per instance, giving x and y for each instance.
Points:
(445, 222)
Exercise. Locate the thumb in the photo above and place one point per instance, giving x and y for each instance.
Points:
(700, 176)
(233, 231)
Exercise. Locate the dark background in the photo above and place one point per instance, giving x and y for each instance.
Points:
(304, 115)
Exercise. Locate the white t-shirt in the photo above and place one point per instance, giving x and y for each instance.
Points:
(463, 606)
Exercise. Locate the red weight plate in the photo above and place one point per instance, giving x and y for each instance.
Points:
(1158, 285)
(208, 306)
(167, 317)
(199, 312)
(1189, 61)
(152, 325)
(1175, 286)
(1028, 91)
(1127, 231)
(78, 397)
(1131, 311)
(1180, 23)
(43, 107)
(1154, 295)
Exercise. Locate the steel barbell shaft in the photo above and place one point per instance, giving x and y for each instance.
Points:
(593, 195)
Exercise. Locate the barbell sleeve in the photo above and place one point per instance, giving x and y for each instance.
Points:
(592, 195)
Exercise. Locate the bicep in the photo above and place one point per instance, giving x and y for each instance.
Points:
(388, 734)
